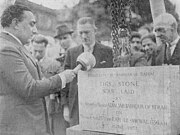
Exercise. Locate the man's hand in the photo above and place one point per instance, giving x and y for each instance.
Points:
(66, 113)
(69, 75)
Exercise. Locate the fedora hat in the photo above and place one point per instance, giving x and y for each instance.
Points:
(62, 30)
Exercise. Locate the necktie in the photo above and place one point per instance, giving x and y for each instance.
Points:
(89, 49)
(168, 53)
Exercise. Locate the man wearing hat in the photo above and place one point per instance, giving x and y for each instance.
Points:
(64, 37)
(165, 27)
(86, 30)
(58, 124)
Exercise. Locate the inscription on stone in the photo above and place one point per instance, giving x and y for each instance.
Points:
(131, 101)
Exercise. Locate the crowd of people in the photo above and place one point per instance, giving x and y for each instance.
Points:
(144, 43)
(39, 94)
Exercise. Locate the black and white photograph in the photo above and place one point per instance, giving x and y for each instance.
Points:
(90, 67)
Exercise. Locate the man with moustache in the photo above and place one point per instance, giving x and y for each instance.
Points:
(23, 108)
(86, 30)
(137, 58)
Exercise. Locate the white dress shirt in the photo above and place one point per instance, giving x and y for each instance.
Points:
(173, 45)
(89, 48)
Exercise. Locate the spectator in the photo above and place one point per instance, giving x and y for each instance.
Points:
(64, 36)
(165, 27)
(23, 107)
(137, 57)
(86, 30)
(49, 67)
(135, 42)
(145, 29)
(149, 47)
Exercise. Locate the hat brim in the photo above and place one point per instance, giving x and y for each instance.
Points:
(59, 35)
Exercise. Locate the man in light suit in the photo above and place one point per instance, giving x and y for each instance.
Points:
(165, 27)
(22, 104)
(64, 38)
(86, 30)
(49, 66)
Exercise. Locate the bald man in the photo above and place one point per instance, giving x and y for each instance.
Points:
(165, 27)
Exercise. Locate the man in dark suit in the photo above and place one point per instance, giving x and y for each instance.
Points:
(65, 40)
(165, 27)
(22, 105)
(86, 30)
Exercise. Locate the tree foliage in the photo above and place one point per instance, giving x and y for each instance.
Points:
(100, 11)
(142, 7)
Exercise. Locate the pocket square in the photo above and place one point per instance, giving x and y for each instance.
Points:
(102, 62)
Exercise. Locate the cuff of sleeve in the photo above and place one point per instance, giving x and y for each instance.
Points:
(63, 79)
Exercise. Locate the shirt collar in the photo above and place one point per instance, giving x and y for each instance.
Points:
(13, 37)
(175, 41)
(89, 48)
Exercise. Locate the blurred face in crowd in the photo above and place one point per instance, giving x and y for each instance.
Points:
(86, 33)
(165, 34)
(148, 45)
(135, 44)
(38, 50)
(65, 41)
(26, 28)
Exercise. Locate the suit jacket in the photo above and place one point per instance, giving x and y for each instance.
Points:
(175, 58)
(50, 67)
(138, 59)
(104, 59)
(22, 105)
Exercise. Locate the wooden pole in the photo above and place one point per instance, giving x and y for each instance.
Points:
(157, 8)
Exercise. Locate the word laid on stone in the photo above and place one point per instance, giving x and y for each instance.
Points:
(130, 101)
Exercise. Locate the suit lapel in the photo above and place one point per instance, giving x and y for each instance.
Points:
(97, 54)
(176, 55)
(27, 53)
(79, 50)
(20, 47)
(177, 50)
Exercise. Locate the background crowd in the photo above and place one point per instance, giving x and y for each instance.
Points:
(56, 55)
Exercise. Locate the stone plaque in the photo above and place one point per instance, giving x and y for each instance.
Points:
(76, 130)
(131, 101)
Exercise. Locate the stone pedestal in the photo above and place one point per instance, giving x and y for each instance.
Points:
(76, 130)
(130, 101)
